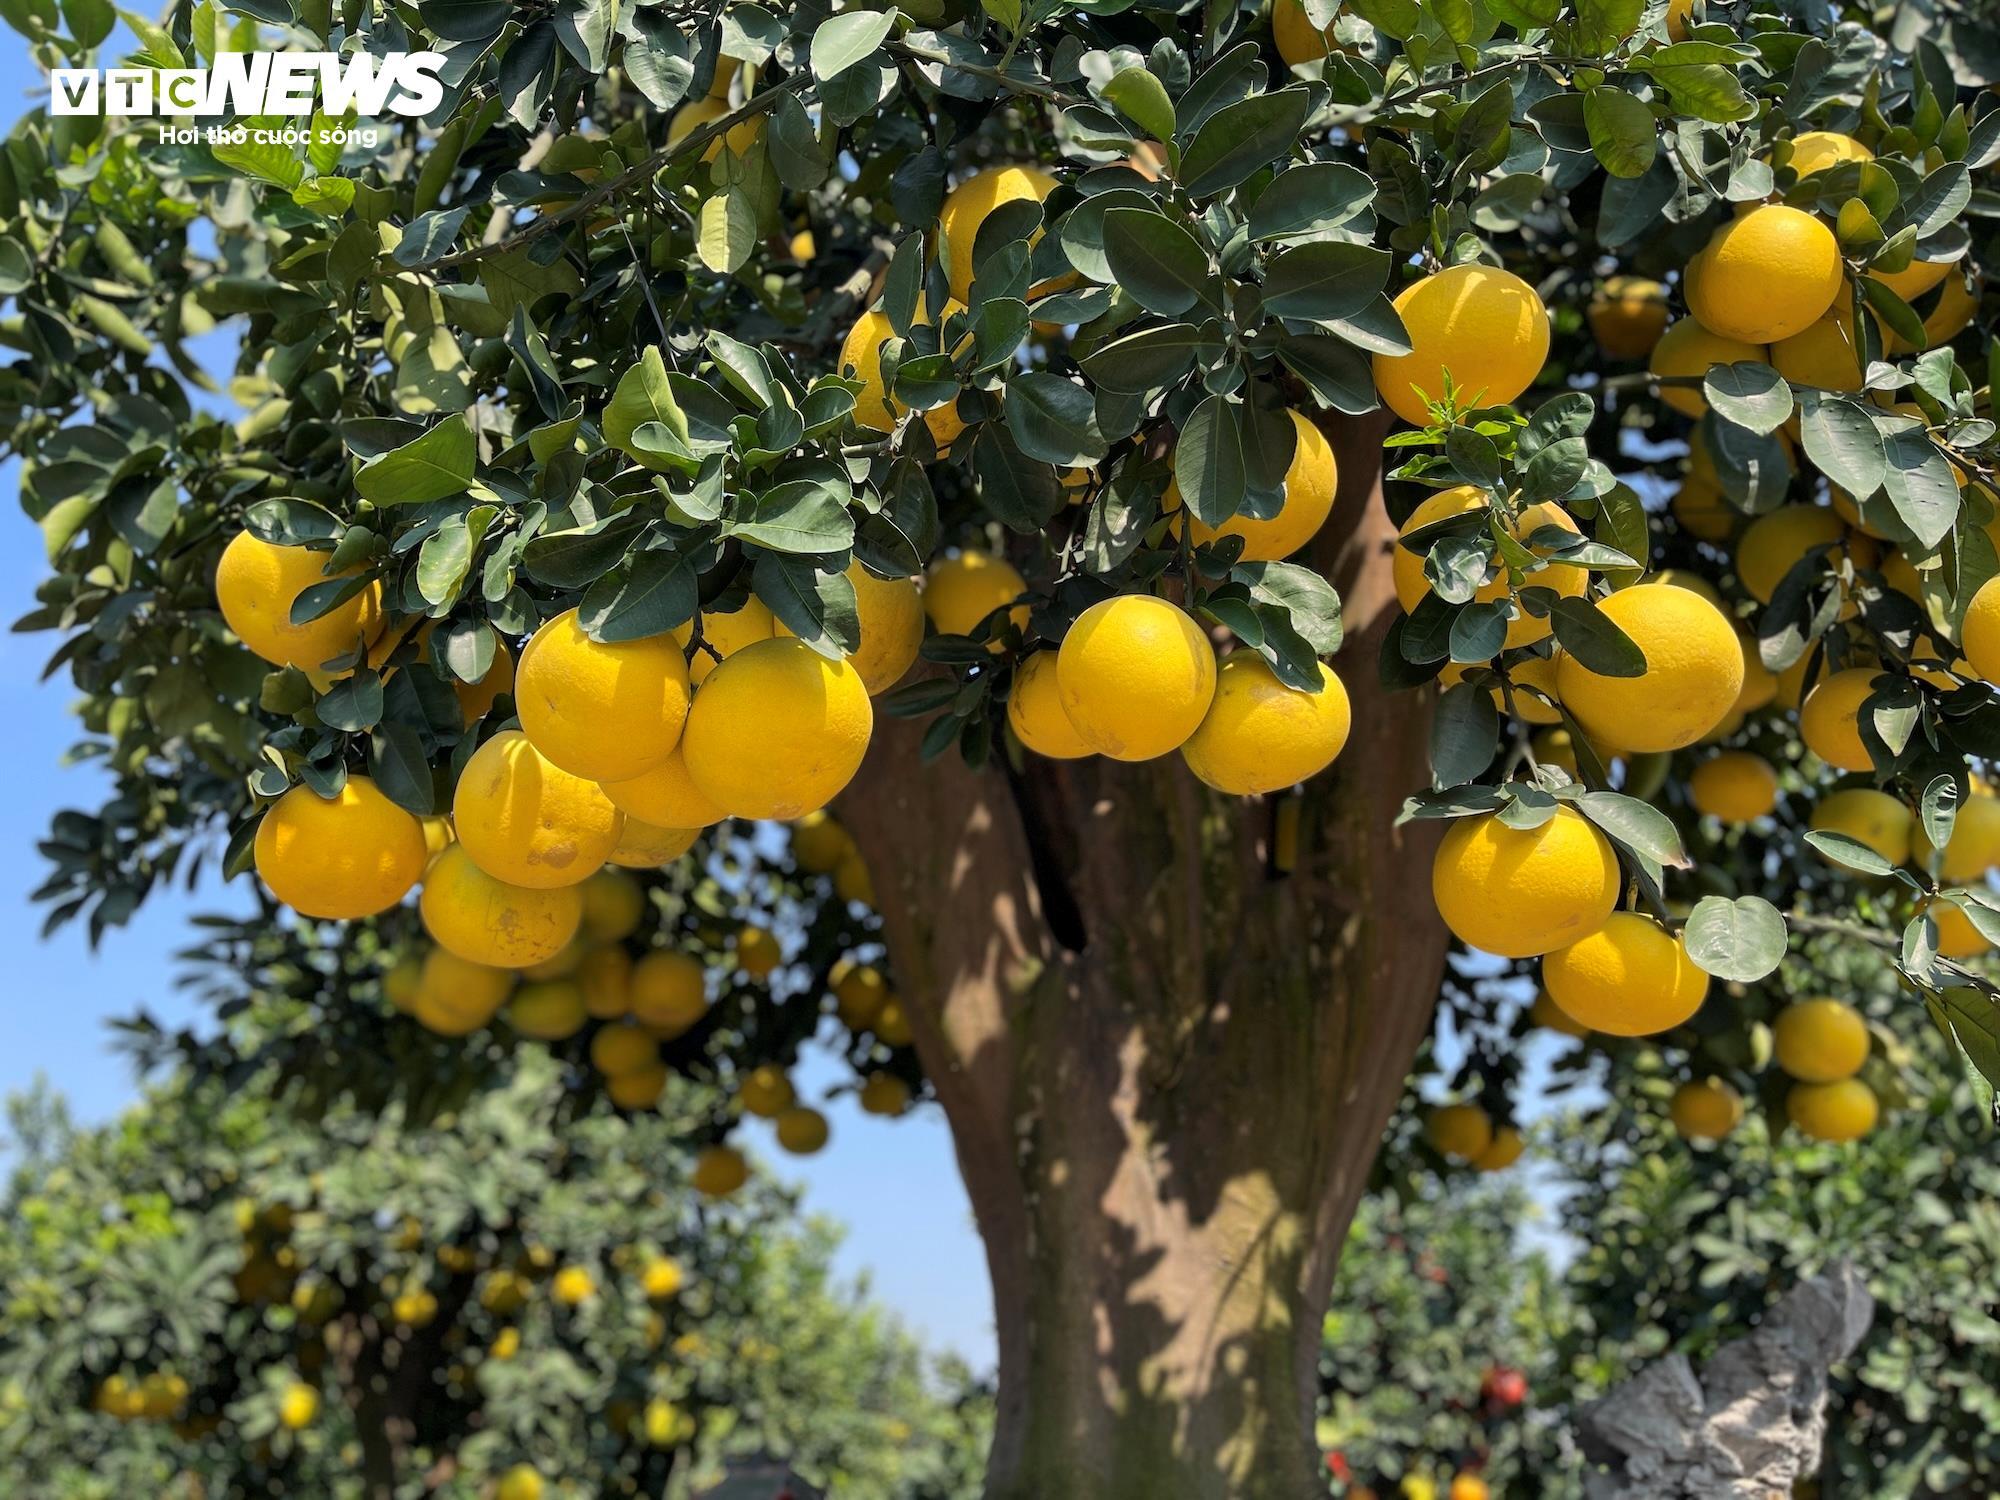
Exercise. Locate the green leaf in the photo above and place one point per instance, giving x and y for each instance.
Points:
(1849, 852)
(1240, 138)
(796, 516)
(1310, 199)
(1326, 279)
(1623, 133)
(1054, 419)
(796, 154)
(1465, 735)
(436, 466)
(1587, 633)
(352, 704)
(1602, 24)
(644, 395)
(840, 43)
(401, 768)
(1157, 261)
(647, 595)
(1308, 599)
(1150, 359)
(1639, 826)
(1142, 99)
(1742, 940)
(1839, 435)
(727, 230)
(1209, 464)
(1750, 394)
(816, 605)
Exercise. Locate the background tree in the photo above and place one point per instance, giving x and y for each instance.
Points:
(573, 360)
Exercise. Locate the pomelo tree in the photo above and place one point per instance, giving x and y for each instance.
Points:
(991, 423)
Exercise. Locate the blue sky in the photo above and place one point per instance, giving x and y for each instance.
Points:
(894, 1184)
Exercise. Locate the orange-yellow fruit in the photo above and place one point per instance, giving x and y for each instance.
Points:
(1627, 316)
(699, 112)
(1034, 708)
(852, 880)
(1974, 846)
(1485, 328)
(1833, 1112)
(665, 796)
(1703, 512)
(1694, 672)
(647, 846)
(1406, 565)
(1504, 1150)
(662, 1278)
(1630, 978)
(758, 952)
(1687, 348)
(967, 206)
(861, 358)
(548, 1010)
(529, 822)
(859, 993)
(891, 615)
(623, 1048)
(1948, 316)
(1735, 786)
(778, 730)
(1766, 275)
(1820, 1041)
(1822, 354)
(1774, 543)
(884, 1094)
(637, 1088)
(1461, 1131)
(1517, 892)
(455, 996)
(255, 584)
(719, 1171)
(819, 843)
(351, 855)
(668, 993)
(723, 633)
(801, 1130)
(1304, 505)
(614, 904)
(606, 711)
(963, 590)
(1545, 1013)
(399, 984)
(1873, 818)
(1136, 676)
(1260, 735)
(1918, 277)
(766, 1092)
(298, 1406)
(1979, 634)
(491, 921)
(573, 1286)
(521, 1482)
(1705, 1109)
(475, 698)
(1957, 938)
(604, 978)
(892, 1024)
(1816, 150)
(1299, 41)
(1830, 719)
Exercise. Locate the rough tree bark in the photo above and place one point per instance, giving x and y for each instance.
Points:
(1166, 1071)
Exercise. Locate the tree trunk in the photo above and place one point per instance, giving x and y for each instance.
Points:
(1166, 1067)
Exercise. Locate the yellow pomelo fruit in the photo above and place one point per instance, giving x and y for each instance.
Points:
(961, 591)
(1703, 512)
(1412, 587)
(884, 1094)
(598, 709)
(1298, 41)
(613, 906)
(1735, 786)
(1485, 327)
(1823, 354)
(1979, 632)
(1460, 1131)
(547, 1010)
(639, 1088)
(623, 1048)
(1816, 150)
(1627, 316)
(758, 951)
(1550, 1016)
(1136, 676)
(802, 1130)
(476, 698)
(1869, 817)
(298, 1406)
(1947, 316)
(662, 1278)
(669, 993)
(1694, 672)
(727, 632)
(1760, 683)
(891, 615)
(966, 207)
(1773, 544)
(491, 921)
(1957, 938)
(1260, 735)
(719, 1171)
(527, 821)
(604, 979)
(859, 992)
(1705, 1109)
(1918, 277)
(1307, 500)
(1766, 275)
(766, 1092)
(1034, 709)
(1630, 978)
(1974, 847)
(564, 964)
(1680, 578)
(778, 730)
(1820, 1041)
(342, 857)
(573, 1285)
(414, 1309)
(892, 1024)
(255, 584)
(399, 985)
(665, 796)
(1833, 1112)
(455, 996)
(819, 843)
(861, 358)
(1517, 892)
(1506, 1148)
(852, 880)
(647, 846)
(1830, 719)
(521, 1482)
(1687, 348)
(1556, 747)
(1537, 672)
(696, 113)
